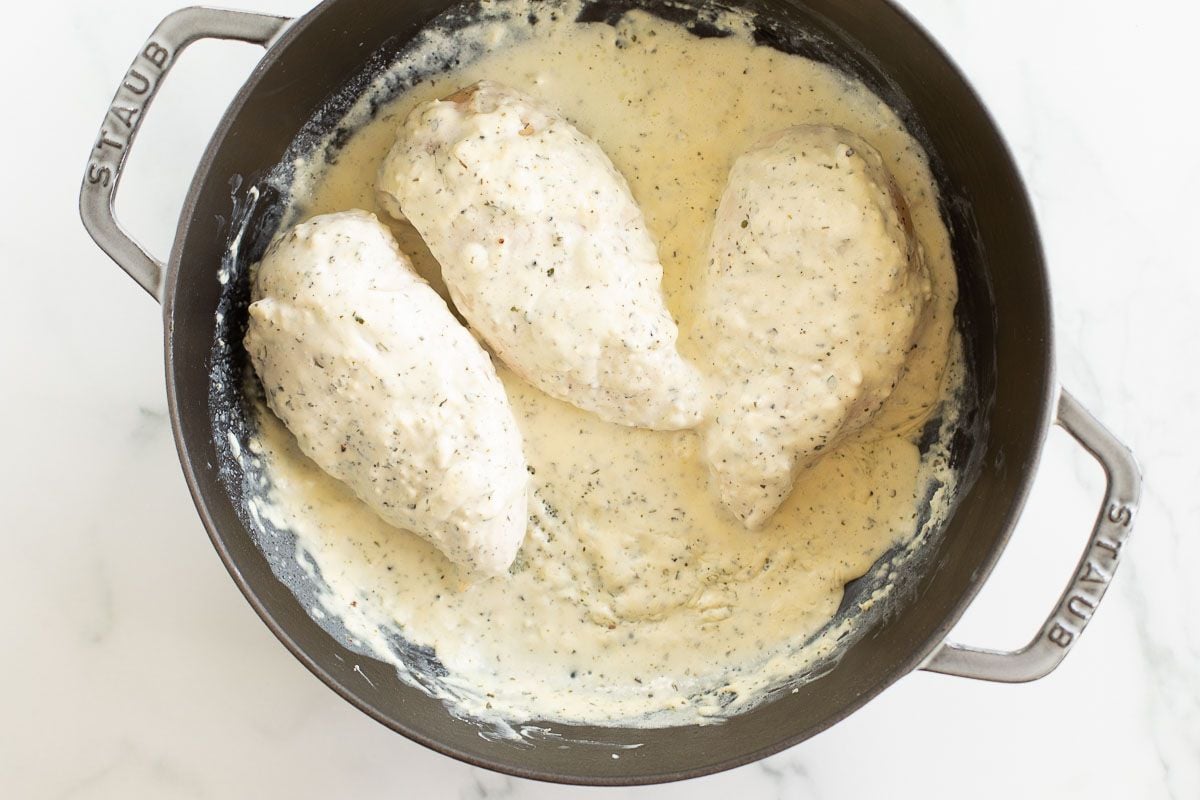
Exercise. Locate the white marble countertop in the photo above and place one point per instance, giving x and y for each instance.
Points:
(133, 667)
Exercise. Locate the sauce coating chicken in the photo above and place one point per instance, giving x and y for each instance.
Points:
(545, 253)
(815, 292)
(386, 391)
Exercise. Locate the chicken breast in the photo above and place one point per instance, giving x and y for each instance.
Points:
(386, 391)
(815, 292)
(545, 253)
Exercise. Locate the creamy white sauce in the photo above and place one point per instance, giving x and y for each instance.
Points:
(545, 253)
(383, 388)
(635, 598)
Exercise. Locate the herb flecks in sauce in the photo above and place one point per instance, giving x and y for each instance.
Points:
(630, 571)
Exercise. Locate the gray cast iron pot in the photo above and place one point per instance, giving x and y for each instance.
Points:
(1004, 315)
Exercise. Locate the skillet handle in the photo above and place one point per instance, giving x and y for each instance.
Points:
(125, 115)
(1092, 576)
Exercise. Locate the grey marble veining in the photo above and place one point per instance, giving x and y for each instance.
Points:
(133, 668)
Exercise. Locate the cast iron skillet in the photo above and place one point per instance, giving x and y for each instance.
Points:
(1004, 314)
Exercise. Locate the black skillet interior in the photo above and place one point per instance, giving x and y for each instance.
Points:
(300, 92)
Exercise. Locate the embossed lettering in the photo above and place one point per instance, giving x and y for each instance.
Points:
(98, 173)
(126, 115)
(1060, 636)
(1120, 514)
(1112, 547)
(1092, 574)
(136, 82)
(104, 141)
(1081, 607)
(156, 54)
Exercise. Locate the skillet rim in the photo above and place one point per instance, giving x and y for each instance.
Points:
(903, 666)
